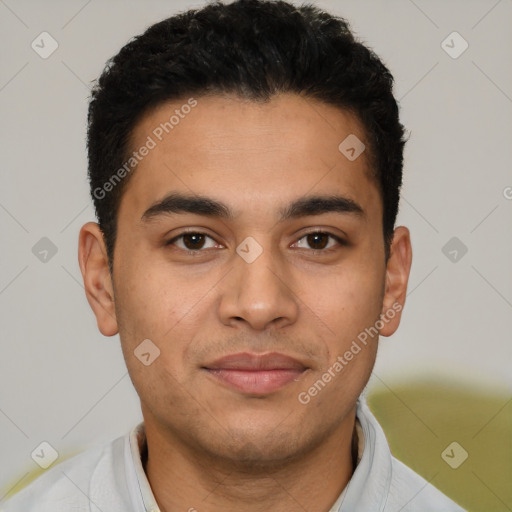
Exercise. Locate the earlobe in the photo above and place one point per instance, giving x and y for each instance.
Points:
(93, 261)
(397, 276)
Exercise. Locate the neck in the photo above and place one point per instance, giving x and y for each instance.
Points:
(184, 480)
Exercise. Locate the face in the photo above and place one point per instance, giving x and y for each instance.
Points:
(250, 253)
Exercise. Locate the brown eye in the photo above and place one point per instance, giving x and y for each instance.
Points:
(319, 241)
(192, 241)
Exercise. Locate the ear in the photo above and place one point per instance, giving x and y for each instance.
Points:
(93, 261)
(397, 277)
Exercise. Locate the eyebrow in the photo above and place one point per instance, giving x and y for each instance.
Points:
(177, 202)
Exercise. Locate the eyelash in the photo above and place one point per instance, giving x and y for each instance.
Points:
(190, 252)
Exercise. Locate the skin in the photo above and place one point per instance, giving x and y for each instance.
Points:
(212, 447)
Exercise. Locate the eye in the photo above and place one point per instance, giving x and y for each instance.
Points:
(319, 240)
(192, 241)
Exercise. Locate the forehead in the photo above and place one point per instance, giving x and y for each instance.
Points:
(247, 152)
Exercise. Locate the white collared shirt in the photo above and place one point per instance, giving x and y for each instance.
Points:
(111, 478)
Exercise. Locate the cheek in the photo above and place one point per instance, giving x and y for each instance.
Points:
(152, 299)
(157, 304)
(347, 300)
(162, 390)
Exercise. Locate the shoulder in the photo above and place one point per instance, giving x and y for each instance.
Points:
(409, 492)
(72, 484)
(392, 484)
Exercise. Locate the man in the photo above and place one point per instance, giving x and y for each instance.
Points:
(245, 162)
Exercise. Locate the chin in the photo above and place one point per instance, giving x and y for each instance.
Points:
(257, 450)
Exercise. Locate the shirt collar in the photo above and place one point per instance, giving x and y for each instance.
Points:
(369, 486)
(140, 489)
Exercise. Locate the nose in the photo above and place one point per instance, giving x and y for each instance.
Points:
(259, 294)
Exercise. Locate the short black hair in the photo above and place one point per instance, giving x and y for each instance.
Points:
(254, 49)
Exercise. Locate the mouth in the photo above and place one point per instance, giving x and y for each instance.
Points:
(256, 374)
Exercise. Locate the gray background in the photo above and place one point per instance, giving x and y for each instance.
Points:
(61, 381)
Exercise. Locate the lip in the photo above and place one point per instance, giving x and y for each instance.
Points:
(256, 374)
